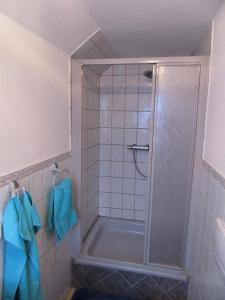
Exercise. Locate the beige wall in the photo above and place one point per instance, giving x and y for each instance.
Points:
(34, 98)
(214, 148)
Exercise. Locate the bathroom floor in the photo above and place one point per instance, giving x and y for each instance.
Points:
(127, 284)
(124, 240)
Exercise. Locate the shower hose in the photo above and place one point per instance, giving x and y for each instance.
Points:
(136, 165)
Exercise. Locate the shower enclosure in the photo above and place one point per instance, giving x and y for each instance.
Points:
(137, 147)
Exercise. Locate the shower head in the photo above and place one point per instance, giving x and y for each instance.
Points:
(148, 74)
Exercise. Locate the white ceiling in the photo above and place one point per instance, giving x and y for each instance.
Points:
(139, 28)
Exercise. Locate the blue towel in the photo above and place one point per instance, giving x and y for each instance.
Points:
(21, 261)
(61, 214)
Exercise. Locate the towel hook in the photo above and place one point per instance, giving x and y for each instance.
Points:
(14, 187)
(57, 171)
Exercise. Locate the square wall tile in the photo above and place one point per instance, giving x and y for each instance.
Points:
(105, 118)
(145, 85)
(130, 136)
(47, 181)
(117, 136)
(128, 154)
(116, 185)
(117, 153)
(92, 100)
(105, 152)
(116, 169)
(144, 168)
(140, 202)
(106, 102)
(104, 168)
(144, 103)
(36, 185)
(104, 211)
(106, 84)
(116, 200)
(128, 185)
(132, 69)
(143, 136)
(143, 119)
(104, 199)
(116, 213)
(130, 119)
(118, 84)
(105, 135)
(131, 84)
(141, 187)
(104, 184)
(118, 119)
(118, 69)
(129, 170)
(118, 101)
(128, 201)
(143, 156)
(140, 215)
(131, 102)
(128, 214)
(42, 207)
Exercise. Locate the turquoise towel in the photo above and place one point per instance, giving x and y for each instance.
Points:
(61, 214)
(21, 262)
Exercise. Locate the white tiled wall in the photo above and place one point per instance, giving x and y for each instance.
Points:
(125, 110)
(54, 257)
(207, 204)
(206, 278)
(90, 148)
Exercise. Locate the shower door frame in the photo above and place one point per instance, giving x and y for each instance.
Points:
(151, 268)
(152, 159)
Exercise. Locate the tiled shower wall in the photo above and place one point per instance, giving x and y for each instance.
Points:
(125, 112)
(206, 280)
(55, 257)
(90, 147)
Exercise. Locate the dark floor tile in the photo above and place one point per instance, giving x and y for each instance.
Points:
(160, 296)
(99, 287)
(179, 292)
(165, 283)
(115, 283)
(88, 276)
(147, 289)
(132, 293)
(132, 277)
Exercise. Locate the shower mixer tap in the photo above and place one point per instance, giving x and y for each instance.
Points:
(138, 147)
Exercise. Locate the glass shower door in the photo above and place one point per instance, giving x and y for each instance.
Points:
(176, 99)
